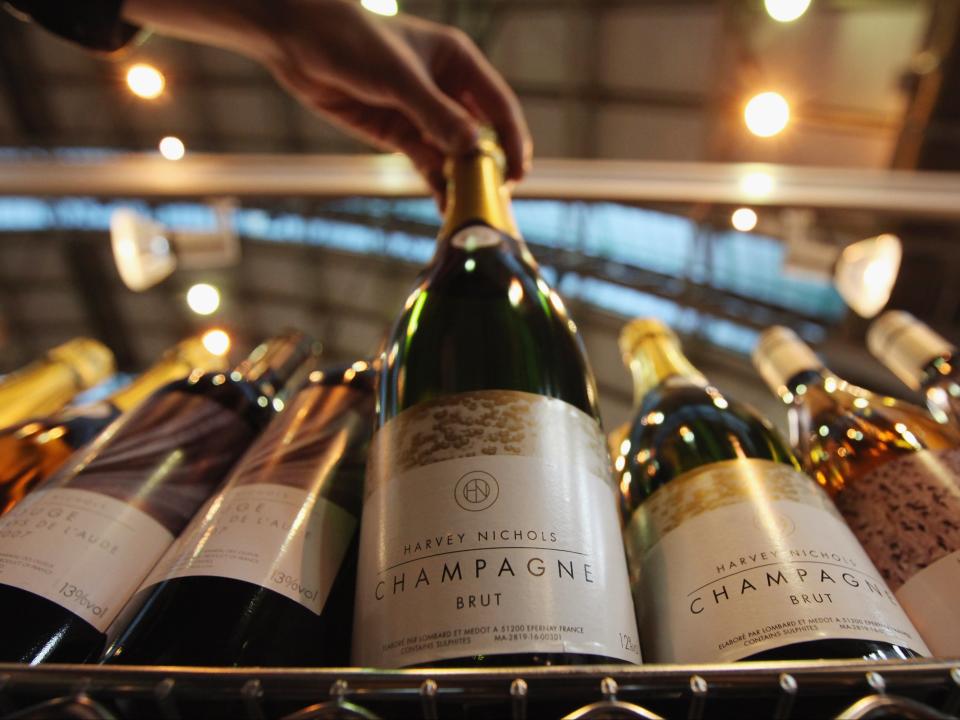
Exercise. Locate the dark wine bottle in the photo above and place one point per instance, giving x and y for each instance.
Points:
(893, 472)
(734, 553)
(489, 533)
(32, 451)
(265, 573)
(77, 547)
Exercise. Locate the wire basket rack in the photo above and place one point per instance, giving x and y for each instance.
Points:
(916, 690)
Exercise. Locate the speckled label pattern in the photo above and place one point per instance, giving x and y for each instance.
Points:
(490, 527)
(906, 514)
(743, 556)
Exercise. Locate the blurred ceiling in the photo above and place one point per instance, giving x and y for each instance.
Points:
(871, 85)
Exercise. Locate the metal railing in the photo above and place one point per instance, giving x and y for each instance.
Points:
(923, 690)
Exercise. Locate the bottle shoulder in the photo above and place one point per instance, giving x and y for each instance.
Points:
(237, 396)
(483, 319)
(682, 427)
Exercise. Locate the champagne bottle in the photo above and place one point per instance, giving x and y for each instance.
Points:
(77, 547)
(31, 451)
(734, 552)
(45, 386)
(921, 358)
(265, 574)
(490, 531)
(893, 472)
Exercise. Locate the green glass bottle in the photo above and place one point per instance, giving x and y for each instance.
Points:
(490, 533)
(734, 552)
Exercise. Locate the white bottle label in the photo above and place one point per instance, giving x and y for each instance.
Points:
(490, 527)
(742, 556)
(283, 538)
(59, 544)
(907, 515)
(88, 536)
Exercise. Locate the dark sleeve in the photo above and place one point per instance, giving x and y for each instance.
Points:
(95, 24)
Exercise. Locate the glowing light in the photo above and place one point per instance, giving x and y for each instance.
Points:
(801, 389)
(787, 397)
(861, 402)
(743, 219)
(203, 299)
(866, 272)
(766, 114)
(219, 379)
(686, 434)
(172, 148)
(217, 342)
(757, 185)
(854, 434)
(145, 81)
(721, 402)
(381, 7)
(515, 293)
(620, 463)
(824, 431)
(900, 428)
(625, 446)
(830, 384)
(277, 404)
(262, 401)
(786, 10)
(360, 365)
(470, 265)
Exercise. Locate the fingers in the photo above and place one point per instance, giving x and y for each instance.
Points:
(469, 76)
(389, 129)
(442, 121)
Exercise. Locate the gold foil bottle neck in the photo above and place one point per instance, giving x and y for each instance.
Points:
(652, 352)
(90, 360)
(476, 191)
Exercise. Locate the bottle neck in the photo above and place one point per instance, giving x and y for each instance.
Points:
(176, 363)
(476, 193)
(656, 359)
(274, 363)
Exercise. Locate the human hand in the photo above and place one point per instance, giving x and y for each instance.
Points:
(400, 82)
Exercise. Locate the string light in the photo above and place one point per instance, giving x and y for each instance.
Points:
(172, 148)
(757, 184)
(217, 342)
(381, 7)
(744, 219)
(767, 114)
(145, 81)
(786, 10)
(203, 299)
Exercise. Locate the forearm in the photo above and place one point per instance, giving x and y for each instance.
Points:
(249, 27)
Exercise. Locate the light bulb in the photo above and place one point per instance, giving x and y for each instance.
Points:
(744, 219)
(786, 10)
(381, 7)
(766, 114)
(203, 299)
(145, 81)
(866, 272)
(217, 342)
(172, 148)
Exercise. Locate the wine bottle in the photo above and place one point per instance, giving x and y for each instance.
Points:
(921, 358)
(45, 386)
(265, 574)
(77, 547)
(489, 532)
(734, 552)
(31, 451)
(893, 472)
